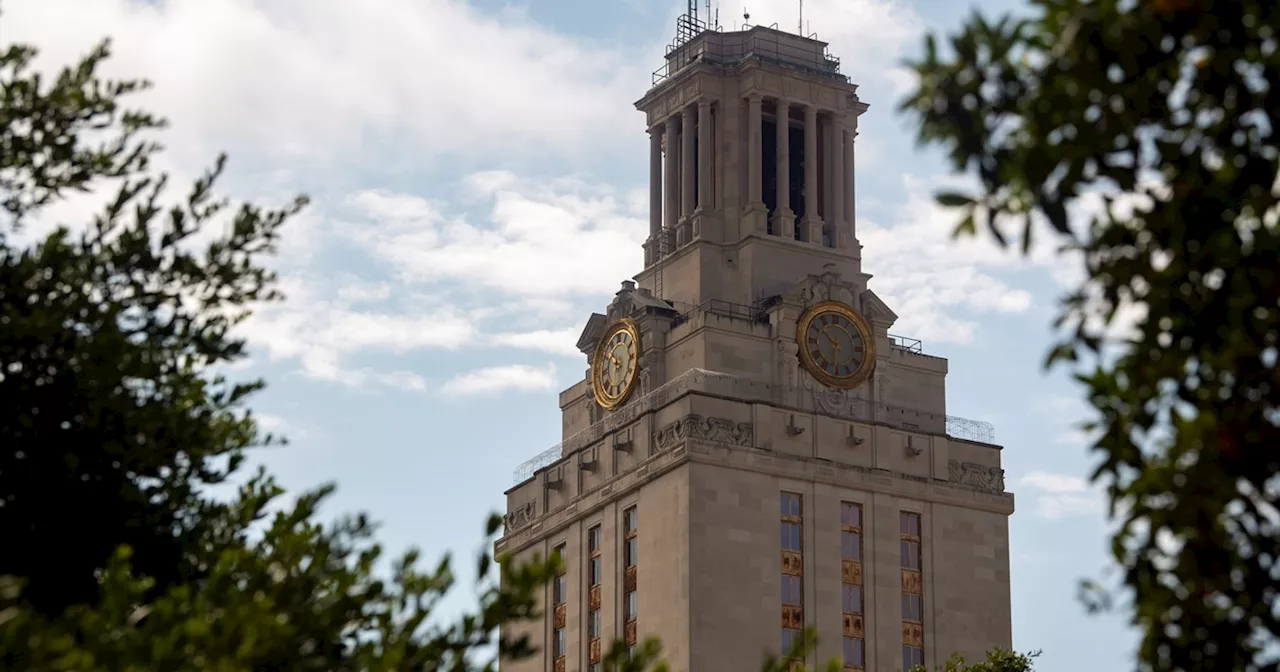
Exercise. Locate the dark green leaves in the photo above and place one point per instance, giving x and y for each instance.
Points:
(1168, 110)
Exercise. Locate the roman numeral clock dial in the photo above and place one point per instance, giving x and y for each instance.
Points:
(616, 363)
(836, 346)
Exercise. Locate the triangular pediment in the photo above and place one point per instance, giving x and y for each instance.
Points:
(876, 310)
(635, 303)
(591, 333)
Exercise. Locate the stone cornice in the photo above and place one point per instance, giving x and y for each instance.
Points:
(684, 445)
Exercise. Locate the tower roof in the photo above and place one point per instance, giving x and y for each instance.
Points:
(756, 43)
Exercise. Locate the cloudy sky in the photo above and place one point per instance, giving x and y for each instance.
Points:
(478, 176)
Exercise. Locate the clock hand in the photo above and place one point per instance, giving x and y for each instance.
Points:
(835, 345)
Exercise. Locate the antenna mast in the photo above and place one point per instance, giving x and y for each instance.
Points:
(800, 27)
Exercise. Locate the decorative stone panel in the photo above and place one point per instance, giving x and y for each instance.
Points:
(792, 617)
(629, 579)
(594, 597)
(851, 572)
(698, 428)
(912, 582)
(913, 634)
(792, 563)
(629, 632)
(977, 476)
(854, 626)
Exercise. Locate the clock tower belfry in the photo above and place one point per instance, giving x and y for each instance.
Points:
(750, 453)
(751, 167)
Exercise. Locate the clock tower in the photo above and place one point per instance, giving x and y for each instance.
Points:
(750, 452)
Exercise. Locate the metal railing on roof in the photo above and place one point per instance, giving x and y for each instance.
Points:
(819, 400)
(768, 46)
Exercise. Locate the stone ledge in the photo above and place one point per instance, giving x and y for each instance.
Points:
(677, 450)
(880, 481)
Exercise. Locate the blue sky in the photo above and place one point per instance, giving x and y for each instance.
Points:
(478, 175)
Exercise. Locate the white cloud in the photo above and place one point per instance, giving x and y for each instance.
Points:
(428, 75)
(558, 342)
(496, 379)
(1060, 496)
(926, 276)
(322, 328)
(551, 239)
(869, 36)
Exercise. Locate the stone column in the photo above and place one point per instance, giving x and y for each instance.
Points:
(835, 218)
(688, 171)
(784, 220)
(851, 226)
(671, 194)
(655, 194)
(706, 150)
(811, 228)
(754, 214)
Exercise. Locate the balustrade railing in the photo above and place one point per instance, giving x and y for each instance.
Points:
(842, 404)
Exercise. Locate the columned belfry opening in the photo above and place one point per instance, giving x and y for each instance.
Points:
(753, 141)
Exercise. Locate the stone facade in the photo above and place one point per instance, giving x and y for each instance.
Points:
(725, 419)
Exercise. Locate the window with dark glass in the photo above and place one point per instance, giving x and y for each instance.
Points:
(791, 590)
(630, 602)
(851, 598)
(912, 657)
(792, 542)
(854, 655)
(595, 569)
(912, 607)
(912, 590)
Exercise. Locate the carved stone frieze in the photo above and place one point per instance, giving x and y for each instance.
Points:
(521, 516)
(835, 401)
(698, 428)
(828, 286)
(978, 476)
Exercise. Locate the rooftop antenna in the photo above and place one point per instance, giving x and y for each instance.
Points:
(800, 28)
(746, 17)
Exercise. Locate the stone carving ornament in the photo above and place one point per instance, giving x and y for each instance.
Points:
(978, 476)
(698, 428)
(827, 287)
(521, 516)
(788, 363)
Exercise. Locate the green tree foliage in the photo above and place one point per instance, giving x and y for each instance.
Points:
(110, 419)
(114, 422)
(998, 660)
(1171, 105)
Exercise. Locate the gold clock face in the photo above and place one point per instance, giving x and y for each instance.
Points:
(836, 345)
(615, 364)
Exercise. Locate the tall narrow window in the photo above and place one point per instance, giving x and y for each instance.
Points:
(792, 526)
(595, 573)
(851, 599)
(559, 598)
(912, 591)
(630, 604)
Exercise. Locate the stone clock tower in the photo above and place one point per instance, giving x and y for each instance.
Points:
(750, 452)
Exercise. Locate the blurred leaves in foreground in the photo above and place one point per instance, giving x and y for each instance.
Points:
(1141, 137)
